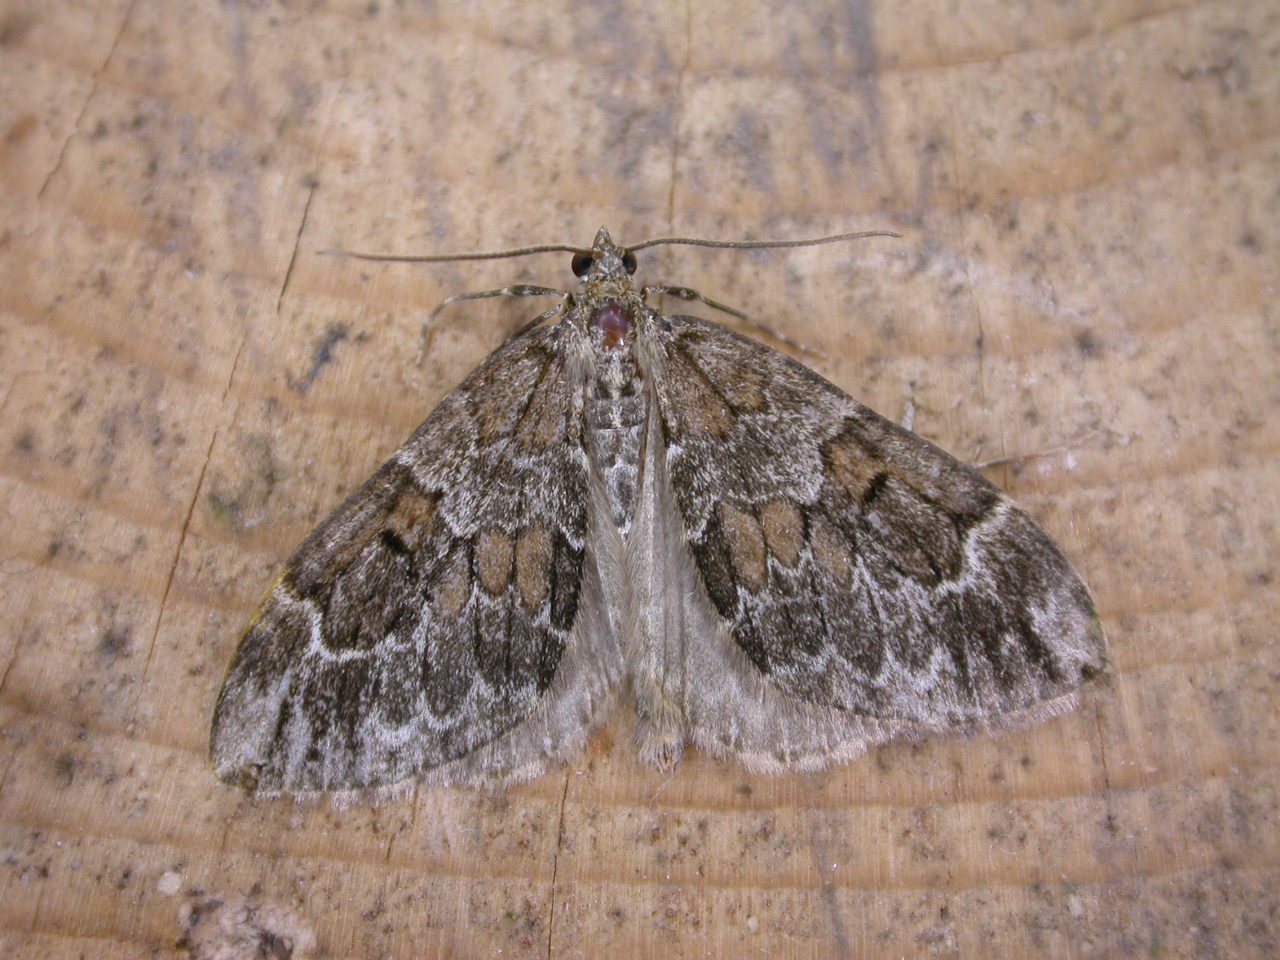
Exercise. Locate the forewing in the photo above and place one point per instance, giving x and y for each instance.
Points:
(429, 623)
(858, 567)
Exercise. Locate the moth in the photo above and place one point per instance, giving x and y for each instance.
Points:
(622, 499)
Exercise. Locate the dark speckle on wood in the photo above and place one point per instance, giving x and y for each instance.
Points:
(322, 356)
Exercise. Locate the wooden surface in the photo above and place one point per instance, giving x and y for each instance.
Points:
(1089, 265)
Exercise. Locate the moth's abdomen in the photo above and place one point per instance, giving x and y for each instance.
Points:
(615, 425)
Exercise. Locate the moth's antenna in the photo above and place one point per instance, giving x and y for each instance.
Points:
(761, 244)
(569, 248)
(442, 257)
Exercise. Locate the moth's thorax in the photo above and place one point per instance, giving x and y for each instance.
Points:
(610, 309)
(612, 326)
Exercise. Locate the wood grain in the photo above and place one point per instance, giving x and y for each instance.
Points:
(187, 385)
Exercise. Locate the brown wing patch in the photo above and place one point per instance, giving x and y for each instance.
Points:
(451, 588)
(499, 394)
(745, 541)
(783, 530)
(744, 389)
(851, 467)
(534, 558)
(493, 553)
(542, 424)
(831, 551)
(702, 409)
(411, 518)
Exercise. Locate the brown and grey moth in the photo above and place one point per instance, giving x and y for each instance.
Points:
(624, 500)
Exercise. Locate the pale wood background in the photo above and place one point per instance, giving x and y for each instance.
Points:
(1088, 194)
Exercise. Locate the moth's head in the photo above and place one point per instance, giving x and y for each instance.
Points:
(605, 261)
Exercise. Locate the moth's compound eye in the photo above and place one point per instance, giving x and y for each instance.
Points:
(629, 261)
(581, 264)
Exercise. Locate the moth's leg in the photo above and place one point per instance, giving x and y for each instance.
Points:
(1037, 454)
(908, 415)
(693, 296)
(515, 290)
